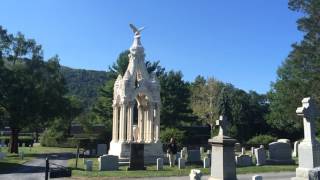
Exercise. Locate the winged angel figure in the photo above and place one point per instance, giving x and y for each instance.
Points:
(135, 30)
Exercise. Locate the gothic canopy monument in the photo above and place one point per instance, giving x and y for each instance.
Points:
(136, 107)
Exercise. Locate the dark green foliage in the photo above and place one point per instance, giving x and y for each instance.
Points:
(175, 99)
(265, 140)
(168, 133)
(299, 75)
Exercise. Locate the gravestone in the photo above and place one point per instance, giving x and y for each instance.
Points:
(2, 155)
(159, 164)
(88, 165)
(252, 150)
(223, 164)
(194, 156)
(101, 149)
(202, 150)
(309, 147)
(261, 156)
(237, 147)
(284, 141)
(244, 160)
(184, 153)
(295, 152)
(280, 153)
(243, 151)
(108, 163)
(136, 157)
(206, 162)
(181, 163)
(256, 177)
(195, 174)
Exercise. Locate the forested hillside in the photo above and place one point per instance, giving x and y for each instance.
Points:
(84, 84)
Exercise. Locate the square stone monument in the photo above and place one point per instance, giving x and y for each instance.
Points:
(108, 163)
(136, 157)
(280, 153)
(223, 164)
(309, 148)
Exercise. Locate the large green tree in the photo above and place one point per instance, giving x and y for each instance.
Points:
(299, 75)
(31, 90)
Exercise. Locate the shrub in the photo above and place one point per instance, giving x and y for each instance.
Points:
(169, 133)
(265, 140)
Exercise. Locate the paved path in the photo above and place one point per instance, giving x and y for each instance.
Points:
(34, 170)
(266, 176)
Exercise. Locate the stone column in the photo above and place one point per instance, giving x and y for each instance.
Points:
(157, 124)
(151, 125)
(123, 122)
(141, 124)
(115, 124)
(146, 123)
(130, 121)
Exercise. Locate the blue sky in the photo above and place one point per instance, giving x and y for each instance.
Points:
(239, 42)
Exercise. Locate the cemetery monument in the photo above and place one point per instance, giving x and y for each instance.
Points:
(136, 102)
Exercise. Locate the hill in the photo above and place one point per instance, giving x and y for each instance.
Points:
(84, 84)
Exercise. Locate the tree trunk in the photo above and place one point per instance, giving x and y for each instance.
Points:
(14, 141)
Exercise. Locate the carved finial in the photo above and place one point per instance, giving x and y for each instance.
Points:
(222, 123)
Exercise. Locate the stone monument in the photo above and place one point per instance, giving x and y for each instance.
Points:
(136, 103)
(223, 164)
(309, 147)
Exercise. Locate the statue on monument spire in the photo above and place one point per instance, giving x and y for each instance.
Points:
(137, 36)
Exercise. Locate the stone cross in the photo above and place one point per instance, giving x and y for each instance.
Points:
(222, 123)
(309, 112)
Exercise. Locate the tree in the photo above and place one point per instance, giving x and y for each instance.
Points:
(299, 75)
(31, 90)
(175, 99)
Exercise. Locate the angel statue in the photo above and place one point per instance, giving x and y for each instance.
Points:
(137, 35)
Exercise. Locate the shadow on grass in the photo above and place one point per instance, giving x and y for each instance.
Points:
(9, 168)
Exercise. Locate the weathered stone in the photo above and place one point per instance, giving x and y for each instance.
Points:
(2, 155)
(244, 160)
(108, 163)
(184, 154)
(195, 174)
(159, 164)
(243, 151)
(280, 153)
(181, 163)
(101, 149)
(252, 150)
(260, 155)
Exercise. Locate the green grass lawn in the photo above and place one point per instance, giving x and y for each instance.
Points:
(14, 161)
(167, 171)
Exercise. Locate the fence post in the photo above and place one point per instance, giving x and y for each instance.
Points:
(47, 168)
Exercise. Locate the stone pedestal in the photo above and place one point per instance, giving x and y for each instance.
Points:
(137, 157)
(223, 166)
(309, 148)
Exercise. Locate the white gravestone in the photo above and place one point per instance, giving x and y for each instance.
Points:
(295, 149)
(244, 160)
(184, 153)
(309, 147)
(237, 147)
(108, 163)
(252, 150)
(101, 149)
(284, 141)
(159, 164)
(243, 151)
(195, 174)
(280, 153)
(181, 163)
(260, 155)
(206, 162)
